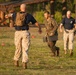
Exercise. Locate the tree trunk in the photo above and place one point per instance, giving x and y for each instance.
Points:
(52, 7)
(11, 24)
(64, 8)
(2, 15)
(75, 8)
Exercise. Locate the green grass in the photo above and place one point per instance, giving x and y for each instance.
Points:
(40, 60)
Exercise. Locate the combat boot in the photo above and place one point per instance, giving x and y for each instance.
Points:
(58, 52)
(24, 65)
(16, 63)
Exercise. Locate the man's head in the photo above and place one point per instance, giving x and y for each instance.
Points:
(46, 14)
(23, 7)
(68, 14)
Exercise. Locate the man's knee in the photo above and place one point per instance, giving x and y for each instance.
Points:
(57, 48)
(50, 44)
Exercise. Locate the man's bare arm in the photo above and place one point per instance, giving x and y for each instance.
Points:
(61, 25)
(38, 26)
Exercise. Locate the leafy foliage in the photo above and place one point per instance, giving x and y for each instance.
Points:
(58, 16)
(38, 9)
(39, 16)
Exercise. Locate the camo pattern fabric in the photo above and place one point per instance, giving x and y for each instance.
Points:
(22, 42)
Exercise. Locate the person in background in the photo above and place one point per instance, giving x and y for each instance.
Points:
(69, 27)
(51, 32)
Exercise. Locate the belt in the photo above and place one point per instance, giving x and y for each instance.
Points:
(68, 31)
(22, 30)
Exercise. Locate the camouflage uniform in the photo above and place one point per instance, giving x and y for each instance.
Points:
(51, 27)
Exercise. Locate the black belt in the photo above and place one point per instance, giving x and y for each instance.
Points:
(21, 30)
(67, 31)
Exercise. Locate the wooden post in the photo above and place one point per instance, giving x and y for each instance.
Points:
(2, 15)
(75, 8)
(43, 6)
(11, 11)
(64, 8)
(75, 5)
(52, 7)
(11, 24)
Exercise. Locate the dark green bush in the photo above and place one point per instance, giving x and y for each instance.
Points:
(58, 17)
(39, 16)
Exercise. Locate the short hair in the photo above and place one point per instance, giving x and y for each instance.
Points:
(47, 12)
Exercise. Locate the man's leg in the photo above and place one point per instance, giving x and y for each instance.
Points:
(71, 39)
(25, 47)
(57, 49)
(51, 44)
(66, 39)
(18, 48)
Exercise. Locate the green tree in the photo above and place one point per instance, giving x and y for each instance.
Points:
(2, 1)
(75, 7)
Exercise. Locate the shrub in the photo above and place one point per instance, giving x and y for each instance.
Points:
(39, 16)
(73, 15)
(58, 17)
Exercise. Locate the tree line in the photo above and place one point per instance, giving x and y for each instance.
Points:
(56, 7)
(58, 4)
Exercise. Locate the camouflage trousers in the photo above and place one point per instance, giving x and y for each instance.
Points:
(22, 41)
(68, 39)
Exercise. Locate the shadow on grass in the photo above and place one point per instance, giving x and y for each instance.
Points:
(52, 68)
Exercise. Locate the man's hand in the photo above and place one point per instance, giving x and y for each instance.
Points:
(61, 30)
(6, 16)
(52, 34)
(40, 31)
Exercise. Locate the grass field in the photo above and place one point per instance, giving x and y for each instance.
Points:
(40, 60)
